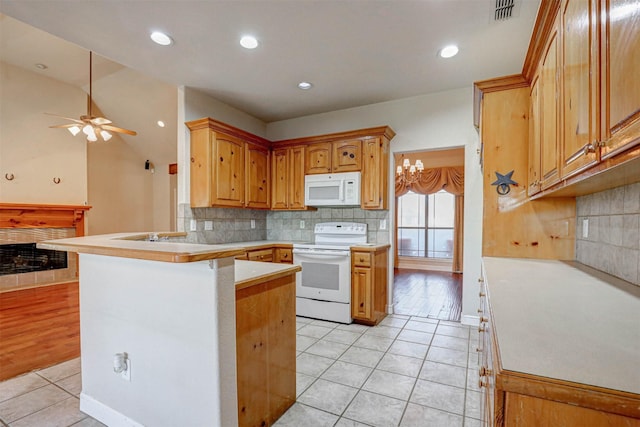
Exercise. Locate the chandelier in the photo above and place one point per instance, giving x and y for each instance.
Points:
(408, 173)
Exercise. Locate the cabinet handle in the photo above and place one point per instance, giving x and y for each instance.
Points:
(481, 329)
(481, 280)
(482, 294)
(361, 304)
(482, 383)
(479, 349)
(344, 153)
(480, 311)
(484, 371)
(483, 319)
(352, 155)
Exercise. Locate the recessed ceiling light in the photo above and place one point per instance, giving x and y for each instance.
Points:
(448, 51)
(305, 85)
(249, 42)
(41, 66)
(161, 38)
(160, 123)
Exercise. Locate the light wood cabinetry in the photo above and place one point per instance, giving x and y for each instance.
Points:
(258, 173)
(369, 284)
(264, 255)
(338, 156)
(375, 175)
(533, 177)
(318, 158)
(620, 58)
(283, 255)
(524, 397)
(579, 85)
(287, 165)
(266, 351)
(218, 170)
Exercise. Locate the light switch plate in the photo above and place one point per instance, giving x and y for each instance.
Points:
(208, 225)
(585, 228)
(302, 223)
(192, 225)
(383, 224)
(253, 223)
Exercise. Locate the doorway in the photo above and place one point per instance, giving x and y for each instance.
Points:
(428, 234)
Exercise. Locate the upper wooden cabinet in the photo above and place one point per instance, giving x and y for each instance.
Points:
(287, 165)
(258, 172)
(620, 58)
(218, 169)
(533, 176)
(579, 85)
(338, 156)
(375, 179)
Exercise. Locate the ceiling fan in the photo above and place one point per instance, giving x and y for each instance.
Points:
(89, 124)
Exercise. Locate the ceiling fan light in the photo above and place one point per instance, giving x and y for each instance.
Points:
(88, 130)
(92, 137)
(74, 130)
(105, 135)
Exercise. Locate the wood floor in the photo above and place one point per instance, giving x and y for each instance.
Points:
(434, 294)
(39, 327)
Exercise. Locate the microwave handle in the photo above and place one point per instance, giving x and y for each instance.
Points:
(341, 191)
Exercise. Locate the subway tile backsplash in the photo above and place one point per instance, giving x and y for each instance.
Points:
(609, 240)
(234, 225)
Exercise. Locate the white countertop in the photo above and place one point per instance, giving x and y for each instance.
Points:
(248, 273)
(555, 320)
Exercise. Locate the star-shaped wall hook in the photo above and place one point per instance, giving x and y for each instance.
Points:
(503, 182)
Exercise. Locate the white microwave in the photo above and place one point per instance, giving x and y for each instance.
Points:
(332, 189)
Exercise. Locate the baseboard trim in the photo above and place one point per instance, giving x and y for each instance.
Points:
(469, 320)
(104, 413)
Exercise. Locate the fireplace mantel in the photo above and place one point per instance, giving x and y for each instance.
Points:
(19, 215)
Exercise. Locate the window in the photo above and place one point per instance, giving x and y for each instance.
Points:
(425, 225)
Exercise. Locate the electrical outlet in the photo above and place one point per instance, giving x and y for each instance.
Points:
(208, 225)
(302, 223)
(253, 223)
(192, 225)
(383, 224)
(585, 228)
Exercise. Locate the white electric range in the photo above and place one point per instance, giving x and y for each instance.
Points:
(323, 287)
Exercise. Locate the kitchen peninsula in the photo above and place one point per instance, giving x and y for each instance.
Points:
(170, 309)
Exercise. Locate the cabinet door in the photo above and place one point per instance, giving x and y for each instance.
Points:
(280, 176)
(252, 336)
(318, 158)
(257, 176)
(200, 168)
(347, 156)
(620, 60)
(228, 177)
(283, 255)
(282, 346)
(580, 84)
(549, 115)
(264, 255)
(374, 174)
(296, 177)
(361, 293)
(534, 140)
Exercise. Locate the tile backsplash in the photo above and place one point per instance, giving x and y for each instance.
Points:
(234, 225)
(285, 225)
(608, 231)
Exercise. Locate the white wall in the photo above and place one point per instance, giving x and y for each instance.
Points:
(426, 122)
(32, 152)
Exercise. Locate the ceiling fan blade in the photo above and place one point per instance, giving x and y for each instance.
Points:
(119, 130)
(99, 121)
(66, 118)
(70, 125)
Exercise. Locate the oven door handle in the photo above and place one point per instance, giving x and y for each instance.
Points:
(336, 254)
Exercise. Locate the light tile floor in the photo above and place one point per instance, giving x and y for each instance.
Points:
(407, 371)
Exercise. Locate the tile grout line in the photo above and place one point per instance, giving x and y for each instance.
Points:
(424, 359)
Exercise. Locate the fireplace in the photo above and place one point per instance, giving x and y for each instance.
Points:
(22, 264)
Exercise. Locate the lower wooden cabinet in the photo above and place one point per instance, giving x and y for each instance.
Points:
(264, 255)
(520, 399)
(266, 351)
(369, 284)
(283, 255)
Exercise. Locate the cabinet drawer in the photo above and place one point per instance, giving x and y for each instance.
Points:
(362, 259)
(265, 255)
(283, 255)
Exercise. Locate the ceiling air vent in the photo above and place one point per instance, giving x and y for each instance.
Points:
(504, 9)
